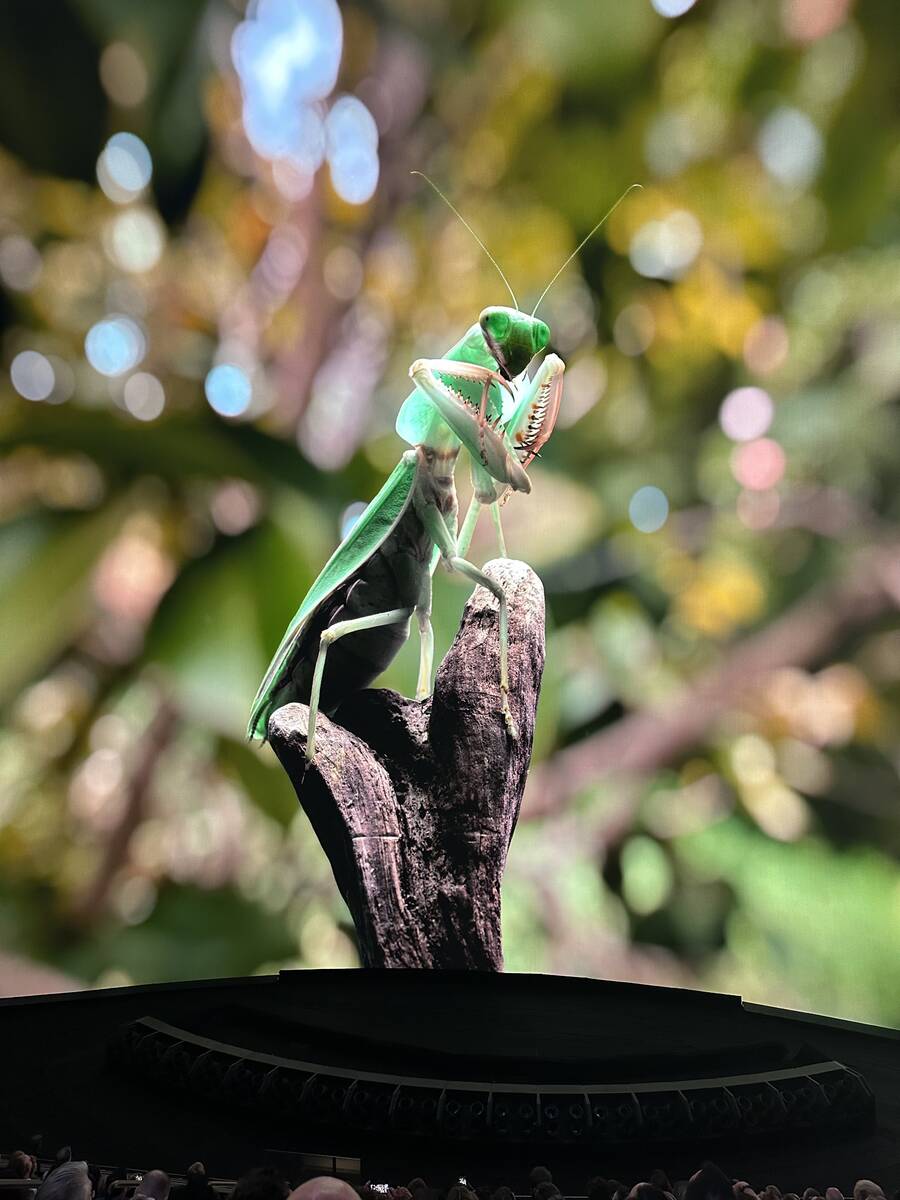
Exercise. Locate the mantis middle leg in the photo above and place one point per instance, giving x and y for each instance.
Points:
(426, 638)
(331, 634)
(468, 527)
(446, 541)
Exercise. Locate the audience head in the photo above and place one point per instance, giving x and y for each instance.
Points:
(743, 1191)
(324, 1187)
(646, 1191)
(864, 1188)
(67, 1181)
(76, 1180)
(21, 1165)
(460, 1192)
(545, 1190)
(709, 1183)
(155, 1186)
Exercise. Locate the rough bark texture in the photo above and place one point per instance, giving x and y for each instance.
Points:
(415, 802)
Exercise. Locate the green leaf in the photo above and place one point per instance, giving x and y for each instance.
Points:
(206, 639)
(46, 600)
(262, 778)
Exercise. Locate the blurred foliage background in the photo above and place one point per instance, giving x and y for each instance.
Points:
(216, 269)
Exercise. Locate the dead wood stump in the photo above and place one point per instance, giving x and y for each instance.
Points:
(415, 802)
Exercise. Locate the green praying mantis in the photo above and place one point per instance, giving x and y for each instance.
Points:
(357, 614)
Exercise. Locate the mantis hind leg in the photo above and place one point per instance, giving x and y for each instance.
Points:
(472, 572)
(331, 634)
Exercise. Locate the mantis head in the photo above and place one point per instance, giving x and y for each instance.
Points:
(513, 338)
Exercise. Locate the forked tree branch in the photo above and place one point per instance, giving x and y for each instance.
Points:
(415, 802)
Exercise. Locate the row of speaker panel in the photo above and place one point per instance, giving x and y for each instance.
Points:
(828, 1096)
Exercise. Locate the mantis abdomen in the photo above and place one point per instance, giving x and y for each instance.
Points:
(397, 576)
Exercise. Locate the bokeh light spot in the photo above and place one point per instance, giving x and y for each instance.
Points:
(354, 173)
(648, 509)
(350, 516)
(136, 239)
(634, 329)
(235, 507)
(115, 345)
(665, 249)
(746, 413)
(758, 510)
(228, 390)
(20, 263)
(350, 123)
(124, 167)
(807, 20)
(672, 8)
(287, 56)
(586, 381)
(766, 345)
(143, 396)
(790, 146)
(758, 465)
(647, 875)
(123, 74)
(343, 272)
(64, 380)
(352, 139)
(32, 375)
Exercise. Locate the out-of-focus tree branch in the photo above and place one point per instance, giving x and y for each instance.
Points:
(157, 738)
(644, 741)
(399, 86)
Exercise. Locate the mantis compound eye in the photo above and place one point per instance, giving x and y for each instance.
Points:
(496, 324)
(540, 336)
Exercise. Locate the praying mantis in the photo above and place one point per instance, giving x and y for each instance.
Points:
(357, 614)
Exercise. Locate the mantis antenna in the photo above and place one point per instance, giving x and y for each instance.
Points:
(583, 242)
(456, 211)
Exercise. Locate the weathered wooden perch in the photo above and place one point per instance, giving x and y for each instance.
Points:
(415, 802)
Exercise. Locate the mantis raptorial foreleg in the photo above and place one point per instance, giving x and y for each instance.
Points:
(445, 539)
(330, 635)
(467, 423)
